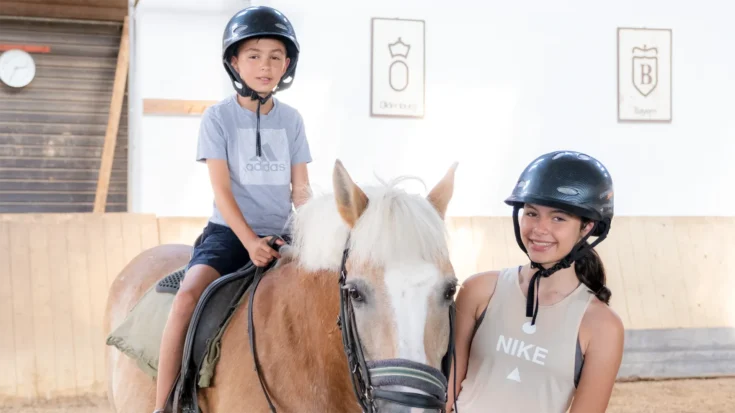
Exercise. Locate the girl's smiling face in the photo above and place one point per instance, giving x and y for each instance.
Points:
(549, 234)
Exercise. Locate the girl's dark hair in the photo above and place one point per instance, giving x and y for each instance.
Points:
(591, 272)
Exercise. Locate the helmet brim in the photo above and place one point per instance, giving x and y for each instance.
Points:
(588, 213)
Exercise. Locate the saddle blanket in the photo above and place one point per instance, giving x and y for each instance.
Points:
(139, 335)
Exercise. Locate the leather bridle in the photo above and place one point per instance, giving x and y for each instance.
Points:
(368, 376)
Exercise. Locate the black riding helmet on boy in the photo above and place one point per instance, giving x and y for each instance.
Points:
(573, 182)
(259, 22)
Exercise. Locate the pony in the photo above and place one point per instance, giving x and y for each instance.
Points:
(372, 261)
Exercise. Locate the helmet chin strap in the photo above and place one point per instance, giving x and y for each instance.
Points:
(247, 92)
(579, 250)
(261, 101)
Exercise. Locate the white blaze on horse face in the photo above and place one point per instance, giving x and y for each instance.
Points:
(409, 285)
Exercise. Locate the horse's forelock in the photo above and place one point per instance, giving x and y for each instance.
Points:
(395, 226)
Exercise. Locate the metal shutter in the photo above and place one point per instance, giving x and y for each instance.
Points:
(52, 131)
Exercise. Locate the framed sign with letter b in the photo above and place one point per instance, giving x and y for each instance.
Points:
(644, 74)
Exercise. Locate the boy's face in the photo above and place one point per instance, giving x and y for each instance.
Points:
(261, 63)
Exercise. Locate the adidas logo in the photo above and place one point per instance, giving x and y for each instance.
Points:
(268, 154)
(266, 163)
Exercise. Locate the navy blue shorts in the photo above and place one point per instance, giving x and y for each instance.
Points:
(220, 248)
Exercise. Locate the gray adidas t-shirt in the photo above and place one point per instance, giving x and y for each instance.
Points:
(261, 186)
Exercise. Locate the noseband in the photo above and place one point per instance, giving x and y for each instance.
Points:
(368, 376)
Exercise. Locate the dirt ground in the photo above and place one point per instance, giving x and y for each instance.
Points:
(674, 396)
(671, 396)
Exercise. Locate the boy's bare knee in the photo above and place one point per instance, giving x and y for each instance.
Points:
(195, 282)
(184, 304)
(198, 278)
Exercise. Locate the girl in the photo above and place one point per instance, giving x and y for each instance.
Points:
(523, 345)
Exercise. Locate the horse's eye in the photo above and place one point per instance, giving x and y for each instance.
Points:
(449, 293)
(355, 294)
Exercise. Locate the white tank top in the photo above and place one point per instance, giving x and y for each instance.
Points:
(519, 368)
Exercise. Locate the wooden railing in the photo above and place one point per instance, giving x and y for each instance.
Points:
(55, 269)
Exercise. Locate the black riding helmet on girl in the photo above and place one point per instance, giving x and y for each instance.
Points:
(259, 22)
(572, 182)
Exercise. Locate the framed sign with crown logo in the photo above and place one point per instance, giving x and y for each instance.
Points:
(398, 67)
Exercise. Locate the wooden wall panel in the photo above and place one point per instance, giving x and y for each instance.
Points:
(52, 131)
(180, 230)
(25, 358)
(59, 268)
(8, 380)
(110, 10)
(665, 273)
(64, 321)
(175, 106)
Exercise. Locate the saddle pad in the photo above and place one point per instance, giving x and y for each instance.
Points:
(139, 335)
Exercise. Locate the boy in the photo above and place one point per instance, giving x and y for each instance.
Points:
(256, 152)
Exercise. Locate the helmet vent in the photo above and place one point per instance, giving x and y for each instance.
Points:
(567, 190)
(282, 27)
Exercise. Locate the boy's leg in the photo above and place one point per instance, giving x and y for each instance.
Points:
(219, 253)
(197, 278)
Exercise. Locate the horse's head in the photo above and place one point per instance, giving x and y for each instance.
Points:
(398, 284)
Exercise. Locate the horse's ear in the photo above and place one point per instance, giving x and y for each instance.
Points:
(441, 194)
(351, 200)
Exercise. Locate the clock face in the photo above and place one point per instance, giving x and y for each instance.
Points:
(17, 68)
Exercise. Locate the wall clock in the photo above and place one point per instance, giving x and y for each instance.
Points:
(17, 68)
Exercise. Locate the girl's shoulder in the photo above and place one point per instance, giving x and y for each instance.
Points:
(599, 313)
(477, 290)
(600, 322)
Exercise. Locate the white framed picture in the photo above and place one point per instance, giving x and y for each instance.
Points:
(397, 67)
(644, 74)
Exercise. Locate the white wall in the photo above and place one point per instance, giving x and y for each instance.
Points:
(505, 82)
(176, 55)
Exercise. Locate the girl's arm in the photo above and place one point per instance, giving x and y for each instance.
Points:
(601, 360)
(471, 302)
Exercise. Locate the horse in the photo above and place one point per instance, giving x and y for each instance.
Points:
(353, 317)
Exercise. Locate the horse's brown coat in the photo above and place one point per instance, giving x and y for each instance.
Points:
(298, 342)
(291, 305)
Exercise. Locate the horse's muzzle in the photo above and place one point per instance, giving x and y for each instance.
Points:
(425, 387)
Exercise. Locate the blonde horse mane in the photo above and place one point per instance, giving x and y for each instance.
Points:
(395, 226)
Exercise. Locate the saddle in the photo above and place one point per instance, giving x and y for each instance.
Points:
(217, 303)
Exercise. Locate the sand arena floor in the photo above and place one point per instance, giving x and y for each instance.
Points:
(669, 396)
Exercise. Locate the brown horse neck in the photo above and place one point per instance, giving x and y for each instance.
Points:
(310, 303)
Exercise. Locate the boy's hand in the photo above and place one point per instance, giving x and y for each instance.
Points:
(260, 252)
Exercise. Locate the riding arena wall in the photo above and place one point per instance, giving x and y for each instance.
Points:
(55, 269)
